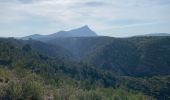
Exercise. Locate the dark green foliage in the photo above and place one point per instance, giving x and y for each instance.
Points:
(70, 93)
(136, 56)
(157, 86)
(26, 48)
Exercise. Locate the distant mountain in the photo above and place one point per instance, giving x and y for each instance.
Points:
(84, 31)
(156, 34)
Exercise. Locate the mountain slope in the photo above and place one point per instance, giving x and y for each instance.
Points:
(137, 56)
(35, 37)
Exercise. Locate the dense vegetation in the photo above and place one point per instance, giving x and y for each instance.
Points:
(28, 71)
(135, 56)
(29, 86)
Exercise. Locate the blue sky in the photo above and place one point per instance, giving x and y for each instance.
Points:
(116, 18)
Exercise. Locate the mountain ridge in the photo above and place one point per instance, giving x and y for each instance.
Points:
(154, 34)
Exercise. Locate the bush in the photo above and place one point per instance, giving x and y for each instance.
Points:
(87, 95)
(25, 88)
(11, 91)
(32, 90)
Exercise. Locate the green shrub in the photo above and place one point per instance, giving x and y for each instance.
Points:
(87, 95)
(33, 90)
(64, 93)
(28, 87)
(11, 91)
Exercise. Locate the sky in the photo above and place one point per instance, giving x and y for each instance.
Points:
(117, 18)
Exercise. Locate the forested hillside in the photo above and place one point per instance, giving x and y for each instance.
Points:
(29, 71)
(135, 56)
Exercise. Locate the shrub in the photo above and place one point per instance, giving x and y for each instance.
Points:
(33, 90)
(25, 88)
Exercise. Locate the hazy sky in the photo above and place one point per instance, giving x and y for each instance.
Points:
(106, 17)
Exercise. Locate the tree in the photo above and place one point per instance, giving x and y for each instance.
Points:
(26, 47)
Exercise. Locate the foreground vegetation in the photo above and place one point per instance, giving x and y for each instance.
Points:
(29, 86)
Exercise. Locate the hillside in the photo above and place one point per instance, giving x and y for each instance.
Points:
(53, 76)
(136, 56)
(146, 55)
